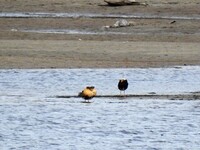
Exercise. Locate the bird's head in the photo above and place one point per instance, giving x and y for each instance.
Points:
(122, 80)
(90, 87)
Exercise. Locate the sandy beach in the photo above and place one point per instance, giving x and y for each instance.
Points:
(39, 42)
(95, 54)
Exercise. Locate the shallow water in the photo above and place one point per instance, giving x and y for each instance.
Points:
(74, 31)
(94, 15)
(103, 31)
(33, 118)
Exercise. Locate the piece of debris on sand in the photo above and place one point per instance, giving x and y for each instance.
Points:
(172, 22)
(123, 2)
(121, 23)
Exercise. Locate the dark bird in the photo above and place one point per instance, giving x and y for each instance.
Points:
(123, 85)
(88, 93)
(172, 22)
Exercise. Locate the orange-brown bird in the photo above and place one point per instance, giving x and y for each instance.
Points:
(88, 93)
(122, 85)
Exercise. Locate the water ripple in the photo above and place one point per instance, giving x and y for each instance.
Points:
(37, 121)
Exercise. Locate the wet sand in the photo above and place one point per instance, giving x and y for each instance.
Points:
(149, 43)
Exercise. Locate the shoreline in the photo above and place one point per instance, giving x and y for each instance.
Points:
(190, 96)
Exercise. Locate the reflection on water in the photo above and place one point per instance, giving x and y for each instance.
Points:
(33, 118)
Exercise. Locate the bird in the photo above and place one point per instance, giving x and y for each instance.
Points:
(122, 85)
(88, 93)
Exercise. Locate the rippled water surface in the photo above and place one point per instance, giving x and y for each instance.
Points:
(31, 117)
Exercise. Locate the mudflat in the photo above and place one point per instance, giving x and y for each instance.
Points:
(165, 33)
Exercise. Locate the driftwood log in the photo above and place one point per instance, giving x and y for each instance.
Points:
(123, 2)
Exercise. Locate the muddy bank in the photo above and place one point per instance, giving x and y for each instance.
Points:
(99, 6)
(164, 34)
(95, 54)
(93, 29)
(190, 96)
(152, 22)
